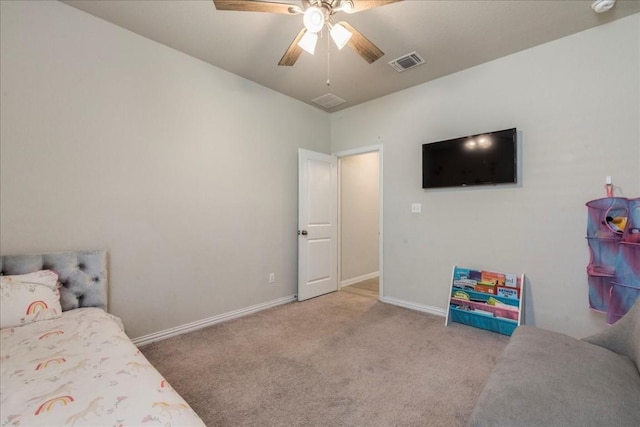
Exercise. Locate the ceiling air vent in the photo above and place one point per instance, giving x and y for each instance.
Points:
(328, 100)
(407, 61)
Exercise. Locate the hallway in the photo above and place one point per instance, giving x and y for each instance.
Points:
(369, 288)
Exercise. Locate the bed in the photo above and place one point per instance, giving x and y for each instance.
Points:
(65, 361)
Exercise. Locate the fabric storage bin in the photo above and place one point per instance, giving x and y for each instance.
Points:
(600, 210)
(628, 264)
(599, 292)
(489, 323)
(626, 281)
(632, 232)
(623, 297)
(604, 255)
(613, 236)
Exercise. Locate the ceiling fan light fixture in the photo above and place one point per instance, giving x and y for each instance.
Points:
(340, 35)
(313, 19)
(345, 6)
(308, 42)
(600, 6)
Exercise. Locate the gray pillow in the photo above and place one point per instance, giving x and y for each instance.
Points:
(623, 337)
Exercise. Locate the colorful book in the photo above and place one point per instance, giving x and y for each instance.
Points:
(464, 283)
(475, 275)
(485, 288)
(460, 273)
(508, 292)
(511, 280)
(493, 278)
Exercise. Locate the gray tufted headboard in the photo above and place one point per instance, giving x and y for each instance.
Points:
(83, 275)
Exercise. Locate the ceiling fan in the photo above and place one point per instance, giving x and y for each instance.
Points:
(316, 15)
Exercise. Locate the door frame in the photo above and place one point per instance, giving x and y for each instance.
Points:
(354, 152)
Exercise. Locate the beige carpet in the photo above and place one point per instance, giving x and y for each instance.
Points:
(336, 360)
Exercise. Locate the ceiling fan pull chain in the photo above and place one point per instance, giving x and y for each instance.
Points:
(328, 62)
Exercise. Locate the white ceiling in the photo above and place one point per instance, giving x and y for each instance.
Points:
(450, 35)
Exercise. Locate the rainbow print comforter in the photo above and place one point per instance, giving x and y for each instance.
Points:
(82, 370)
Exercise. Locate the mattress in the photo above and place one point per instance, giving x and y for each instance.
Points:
(82, 370)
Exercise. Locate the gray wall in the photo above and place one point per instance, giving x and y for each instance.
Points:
(184, 172)
(575, 102)
(187, 174)
(359, 215)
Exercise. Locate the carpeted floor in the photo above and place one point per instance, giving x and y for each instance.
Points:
(337, 360)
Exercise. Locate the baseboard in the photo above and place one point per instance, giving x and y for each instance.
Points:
(413, 306)
(199, 324)
(358, 279)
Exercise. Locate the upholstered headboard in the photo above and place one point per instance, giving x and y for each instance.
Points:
(83, 275)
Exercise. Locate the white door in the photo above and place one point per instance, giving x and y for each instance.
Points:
(317, 224)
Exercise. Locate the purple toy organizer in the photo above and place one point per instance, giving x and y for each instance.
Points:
(613, 234)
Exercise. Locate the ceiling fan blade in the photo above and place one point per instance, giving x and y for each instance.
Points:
(362, 45)
(293, 52)
(257, 6)
(359, 5)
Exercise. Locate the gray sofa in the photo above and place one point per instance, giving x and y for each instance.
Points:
(544, 378)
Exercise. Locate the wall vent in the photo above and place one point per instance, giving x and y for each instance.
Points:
(328, 100)
(407, 61)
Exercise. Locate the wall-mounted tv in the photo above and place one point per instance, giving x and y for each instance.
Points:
(484, 159)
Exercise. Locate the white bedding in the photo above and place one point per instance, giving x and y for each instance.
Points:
(82, 370)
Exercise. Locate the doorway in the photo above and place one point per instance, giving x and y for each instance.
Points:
(360, 221)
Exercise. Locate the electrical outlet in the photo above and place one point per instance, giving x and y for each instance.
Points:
(416, 208)
(272, 277)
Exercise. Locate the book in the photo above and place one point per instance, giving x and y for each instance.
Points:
(511, 280)
(461, 295)
(508, 292)
(460, 273)
(464, 284)
(493, 278)
(486, 288)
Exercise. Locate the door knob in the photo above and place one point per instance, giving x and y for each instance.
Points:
(303, 232)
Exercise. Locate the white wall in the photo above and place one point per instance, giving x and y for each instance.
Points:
(359, 215)
(185, 173)
(575, 102)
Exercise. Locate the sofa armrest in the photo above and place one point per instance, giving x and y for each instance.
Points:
(545, 378)
(623, 337)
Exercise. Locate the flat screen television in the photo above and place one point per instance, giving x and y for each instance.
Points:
(484, 159)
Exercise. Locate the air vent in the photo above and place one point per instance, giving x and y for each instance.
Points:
(328, 101)
(407, 61)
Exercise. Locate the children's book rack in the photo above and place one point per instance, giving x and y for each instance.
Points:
(486, 299)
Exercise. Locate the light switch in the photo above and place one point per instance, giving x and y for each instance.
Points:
(416, 208)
